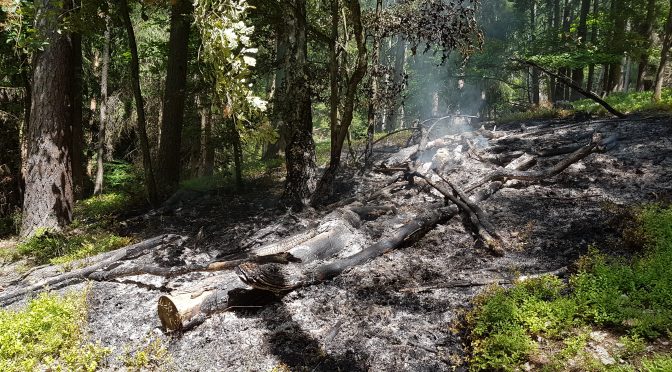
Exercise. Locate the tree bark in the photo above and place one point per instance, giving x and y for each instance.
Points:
(396, 119)
(98, 186)
(49, 197)
(296, 111)
(79, 176)
(534, 73)
(618, 47)
(207, 165)
(173, 100)
(150, 182)
(273, 149)
(645, 30)
(372, 114)
(582, 33)
(237, 154)
(664, 55)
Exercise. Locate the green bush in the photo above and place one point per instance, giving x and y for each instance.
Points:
(49, 334)
(633, 297)
(122, 177)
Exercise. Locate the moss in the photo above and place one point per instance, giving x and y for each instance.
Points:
(49, 334)
(633, 297)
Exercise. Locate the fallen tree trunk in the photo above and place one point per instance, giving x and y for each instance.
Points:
(475, 215)
(106, 260)
(569, 83)
(181, 311)
(276, 252)
(596, 144)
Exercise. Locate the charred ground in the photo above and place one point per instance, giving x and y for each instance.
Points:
(399, 311)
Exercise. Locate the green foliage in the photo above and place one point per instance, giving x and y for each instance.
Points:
(57, 248)
(503, 321)
(633, 297)
(49, 334)
(10, 225)
(628, 102)
(123, 190)
(101, 206)
(535, 113)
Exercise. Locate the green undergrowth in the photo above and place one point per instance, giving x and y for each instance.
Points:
(534, 113)
(47, 246)
(627, 103)
(548, 322)
(92, 230)
(48, 335)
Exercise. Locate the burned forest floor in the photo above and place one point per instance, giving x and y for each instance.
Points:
(400, 311)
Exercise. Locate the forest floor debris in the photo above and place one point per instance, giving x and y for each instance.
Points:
(368, 319)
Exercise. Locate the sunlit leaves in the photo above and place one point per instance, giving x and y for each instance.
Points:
(448, 25)
(225, 34)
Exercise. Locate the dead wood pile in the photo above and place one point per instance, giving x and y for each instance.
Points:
(342, 238)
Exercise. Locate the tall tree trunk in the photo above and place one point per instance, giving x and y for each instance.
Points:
(49, 197)
(150, 182)
(664, 55)
(396, 110)
(273, 149)
(618, 47)
(173, 99)
(561, 89)
(375, 60)
(645, 31)
(534, 73)
(207, 148)
(77, 158)
(556, 87)
(237, 155)
(334, 97)
(582, 33)
(593, 40)
(296, 111)
(98, 186)
(325, 185)
(25, 140)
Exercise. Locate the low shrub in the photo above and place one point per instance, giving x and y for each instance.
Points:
(632, 297)
(49, 334)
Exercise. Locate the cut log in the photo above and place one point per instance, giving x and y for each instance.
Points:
(323, 240)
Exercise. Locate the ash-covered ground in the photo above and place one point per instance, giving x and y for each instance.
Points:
(399, 311)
